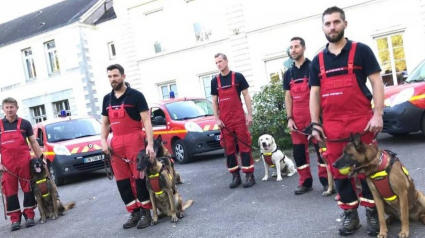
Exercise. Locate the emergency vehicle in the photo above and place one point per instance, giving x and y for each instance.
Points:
(404, 110)
(70, 144)
(186, 125)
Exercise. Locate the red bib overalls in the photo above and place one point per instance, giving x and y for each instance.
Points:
(300, 93)
(345, 110)
(15, 156)
(233, 117)
(127, 141)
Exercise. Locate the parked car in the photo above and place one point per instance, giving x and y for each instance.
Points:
(404, 110)
(186, 125)
(71, 145)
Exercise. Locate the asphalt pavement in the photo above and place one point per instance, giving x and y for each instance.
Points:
(268, 209)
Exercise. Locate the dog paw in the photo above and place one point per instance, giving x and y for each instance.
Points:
(174, 219)
(153, 223)
(279, 179)
(292, 173)
(403, 234)
(382, 235)
(42, 220)
(274, 174)
(265, 178)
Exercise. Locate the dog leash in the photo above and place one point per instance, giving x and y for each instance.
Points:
(8, 171)
(310, 129)
(237, 138)
(107, 163)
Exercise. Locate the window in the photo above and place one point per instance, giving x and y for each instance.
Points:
(201, 31)
(392, 58)
(189, 109)
(72, 129)
(59, 106)
(112, 51)
(275, 67)
(38, 113)
(155, 112)
(157, 47)
(206, 82)
(167, 88)
(29, 64)
(52, 57)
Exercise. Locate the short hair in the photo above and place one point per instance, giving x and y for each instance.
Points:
(302, 42)
(222, 56)
(334, 9)
(9, 100)
(116, 66)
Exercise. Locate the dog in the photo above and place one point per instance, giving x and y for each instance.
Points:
(161, 151)
(45, 192)
(331, 182)
(161, 186)
(392, 187)
(275, 158)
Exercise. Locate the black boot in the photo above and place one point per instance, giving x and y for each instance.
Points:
(145, 218)
(236, 180)
(350, 223)
(132, 220)
(250, 180)
(372, 221)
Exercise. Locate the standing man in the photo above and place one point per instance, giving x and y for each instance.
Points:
(15, 163)
(124, 110)
(338, 89)
(297, 96)
(230, 117)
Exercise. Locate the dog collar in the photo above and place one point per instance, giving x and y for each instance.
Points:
(270, 153)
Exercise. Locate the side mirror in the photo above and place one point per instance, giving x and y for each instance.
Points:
(39, 141)
(159, 120)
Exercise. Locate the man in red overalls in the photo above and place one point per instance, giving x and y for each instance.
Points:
(297, 97)
(15, 163)
(226, 89)
(338, 77)
(124, 110)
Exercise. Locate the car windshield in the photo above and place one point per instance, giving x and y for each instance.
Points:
(418, 74)
(189, 109)
(72, 129)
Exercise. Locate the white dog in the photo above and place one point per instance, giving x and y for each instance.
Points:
(273, 157)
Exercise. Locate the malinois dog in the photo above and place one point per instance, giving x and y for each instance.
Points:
(331, 183)
(392, 187)
(45, 192)
(161, 186)
(161, 151)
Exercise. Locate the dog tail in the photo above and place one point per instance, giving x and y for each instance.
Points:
(187, 204)
(69, 206)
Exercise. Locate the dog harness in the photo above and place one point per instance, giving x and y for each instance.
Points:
(155, 183)
(268, 158)
(381, 178)
(42, 186)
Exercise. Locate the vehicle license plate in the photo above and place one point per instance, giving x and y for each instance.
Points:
(93, 158)
(217, 137)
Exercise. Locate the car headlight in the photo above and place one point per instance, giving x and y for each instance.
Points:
(61, 150)
(192, 126)
(403, 96)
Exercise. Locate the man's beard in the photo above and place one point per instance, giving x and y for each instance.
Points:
(297, 57)
(118, 86)
(337, 38)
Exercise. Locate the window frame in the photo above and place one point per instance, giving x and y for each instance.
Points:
(24, 59)
(36, 118)
(168, 84)
(49, 63)
(64, 105)
(112, 50)
(211, 75)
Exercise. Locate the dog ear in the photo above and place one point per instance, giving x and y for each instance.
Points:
(357, 142)
(159, 138)
(259, 141)
(273, 142)
(351, 137)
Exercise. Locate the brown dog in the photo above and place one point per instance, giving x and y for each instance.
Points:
(161, 186)
(331, 184)
(45, 192)
(393, 189)
(161, 151)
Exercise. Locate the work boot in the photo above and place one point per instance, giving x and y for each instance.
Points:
(302, 189)
(145, 218)
(16, 226)
(29, 223)
(350, 222)
(236, 180)
(250, 180)
(372, 221)
(132, 220)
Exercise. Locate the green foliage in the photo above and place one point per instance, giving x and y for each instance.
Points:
(269, 114)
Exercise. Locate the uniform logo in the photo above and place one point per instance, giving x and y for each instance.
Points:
(90, 146)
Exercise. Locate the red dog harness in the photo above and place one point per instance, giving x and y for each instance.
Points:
(155, 183)
(381, 178)
(268, 158)
(42, 186)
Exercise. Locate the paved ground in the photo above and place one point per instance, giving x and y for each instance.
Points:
(269, 209)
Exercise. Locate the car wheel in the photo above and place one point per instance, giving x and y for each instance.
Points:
(54, 176)
(180, 152)
(399, 134)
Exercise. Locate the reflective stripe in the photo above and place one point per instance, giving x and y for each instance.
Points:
(169, 132)
(379, 174)
(236, 167)
(251, 166)
(350, 204)
(391, 198)
(131, 203)
(417, 97)
(367, 200)
(85, 149)
(206, 127)
(75, 150)
(303, 166)
(322, 165)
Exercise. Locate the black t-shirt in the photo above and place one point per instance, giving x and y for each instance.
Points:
(363, 57)
(296, 73)
(133, 98)
(226, 81)
(26, 127)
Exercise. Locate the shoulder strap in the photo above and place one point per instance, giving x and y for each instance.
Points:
(18, 127)
(322, 65)
(351, 57)
(233, 78)
(1, 126)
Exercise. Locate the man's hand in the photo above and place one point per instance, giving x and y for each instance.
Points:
(105, 147)
(248, 120)
(219, 123)
(317, 134)
(2, 169)
(375, 124)
(291, 125)
(150, 152)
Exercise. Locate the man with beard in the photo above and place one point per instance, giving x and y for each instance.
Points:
(126, 111)
(297, 96)
(338, 89)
